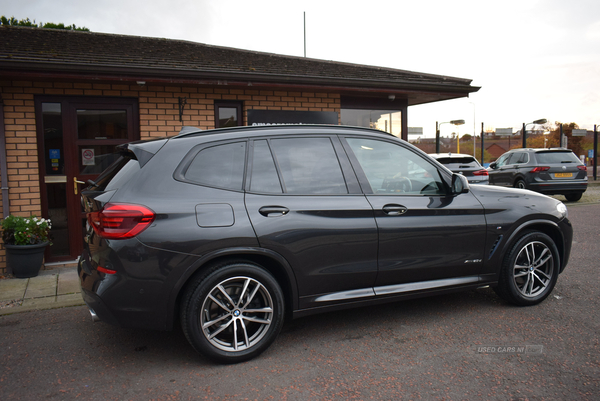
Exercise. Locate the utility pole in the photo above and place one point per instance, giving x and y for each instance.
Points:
(595, 150)
(304, 33)
(437, 138)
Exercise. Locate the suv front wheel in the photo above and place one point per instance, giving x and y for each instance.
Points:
(233, 313)
(530, 270)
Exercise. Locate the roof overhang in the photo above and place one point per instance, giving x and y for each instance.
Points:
(414, 92)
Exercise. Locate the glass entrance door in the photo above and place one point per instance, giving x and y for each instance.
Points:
(79, 139)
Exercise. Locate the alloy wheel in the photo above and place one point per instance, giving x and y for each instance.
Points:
(236, 314)
(533, 269)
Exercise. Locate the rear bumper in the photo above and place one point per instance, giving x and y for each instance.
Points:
(121, 300)
(559, 188)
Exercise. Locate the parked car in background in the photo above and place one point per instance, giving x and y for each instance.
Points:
(554, 171)
(230, 231)
(466, 165)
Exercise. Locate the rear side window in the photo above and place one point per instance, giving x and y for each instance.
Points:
(557, 157)
(519, 158)
(306, 166)
(264, 176)
(219, 166)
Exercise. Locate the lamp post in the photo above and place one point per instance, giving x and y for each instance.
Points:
(437, 131)
(474, 133)
(524, 133)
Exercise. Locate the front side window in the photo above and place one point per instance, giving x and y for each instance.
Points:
(219, 166)
(393, 169)
(503, 160)
(308, 166)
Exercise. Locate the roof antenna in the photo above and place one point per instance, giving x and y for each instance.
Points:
(304, 33)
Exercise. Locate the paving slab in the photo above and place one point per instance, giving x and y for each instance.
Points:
(51, 289)
(13, 288)
(70, 299)
(68, 282)
(39, 303)
(41, 286)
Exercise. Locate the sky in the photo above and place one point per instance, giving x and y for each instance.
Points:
(533, 59)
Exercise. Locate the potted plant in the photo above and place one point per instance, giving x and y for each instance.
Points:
(25, 240)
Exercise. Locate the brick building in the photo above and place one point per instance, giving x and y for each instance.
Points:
(68, 98)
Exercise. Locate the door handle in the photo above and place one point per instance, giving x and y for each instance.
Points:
(75, 182)
(394, 210)
(273, 211)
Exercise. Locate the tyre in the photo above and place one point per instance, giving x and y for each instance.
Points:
(520, 184)
(573, 197)
(529, 270)
(232, 313)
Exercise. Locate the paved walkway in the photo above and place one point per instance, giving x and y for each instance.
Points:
(55, 288)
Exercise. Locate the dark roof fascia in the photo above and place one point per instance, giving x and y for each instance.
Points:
(58, 70)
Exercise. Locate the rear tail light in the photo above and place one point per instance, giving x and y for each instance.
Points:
(105, 270)
(583, 168)
(481, 172)
(540, 169)
(120, 220)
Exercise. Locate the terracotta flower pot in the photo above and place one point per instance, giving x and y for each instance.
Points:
(25, 261)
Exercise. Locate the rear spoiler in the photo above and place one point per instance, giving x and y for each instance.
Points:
(142, 151)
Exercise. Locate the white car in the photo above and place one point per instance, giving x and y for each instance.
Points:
(463, 164)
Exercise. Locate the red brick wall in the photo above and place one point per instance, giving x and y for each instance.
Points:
(159, 117)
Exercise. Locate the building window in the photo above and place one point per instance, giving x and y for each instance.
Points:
(228, 114)
(389, 121)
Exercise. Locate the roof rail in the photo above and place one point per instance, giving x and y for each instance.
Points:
(192, 131)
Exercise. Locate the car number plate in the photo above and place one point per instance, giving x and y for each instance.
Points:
(563, 175)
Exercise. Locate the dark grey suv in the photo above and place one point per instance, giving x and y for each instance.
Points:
(230, 231)
(555, 171)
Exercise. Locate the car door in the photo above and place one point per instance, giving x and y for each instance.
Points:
(427, 237)
(503, 173)
(305, 204)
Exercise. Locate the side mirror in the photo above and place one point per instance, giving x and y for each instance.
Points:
(493, 165)
(460, 185)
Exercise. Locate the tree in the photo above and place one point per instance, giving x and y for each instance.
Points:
(575, 143)
(12, 21)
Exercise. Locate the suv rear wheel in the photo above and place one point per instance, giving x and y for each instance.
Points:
(233, 313)
(573, 197)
